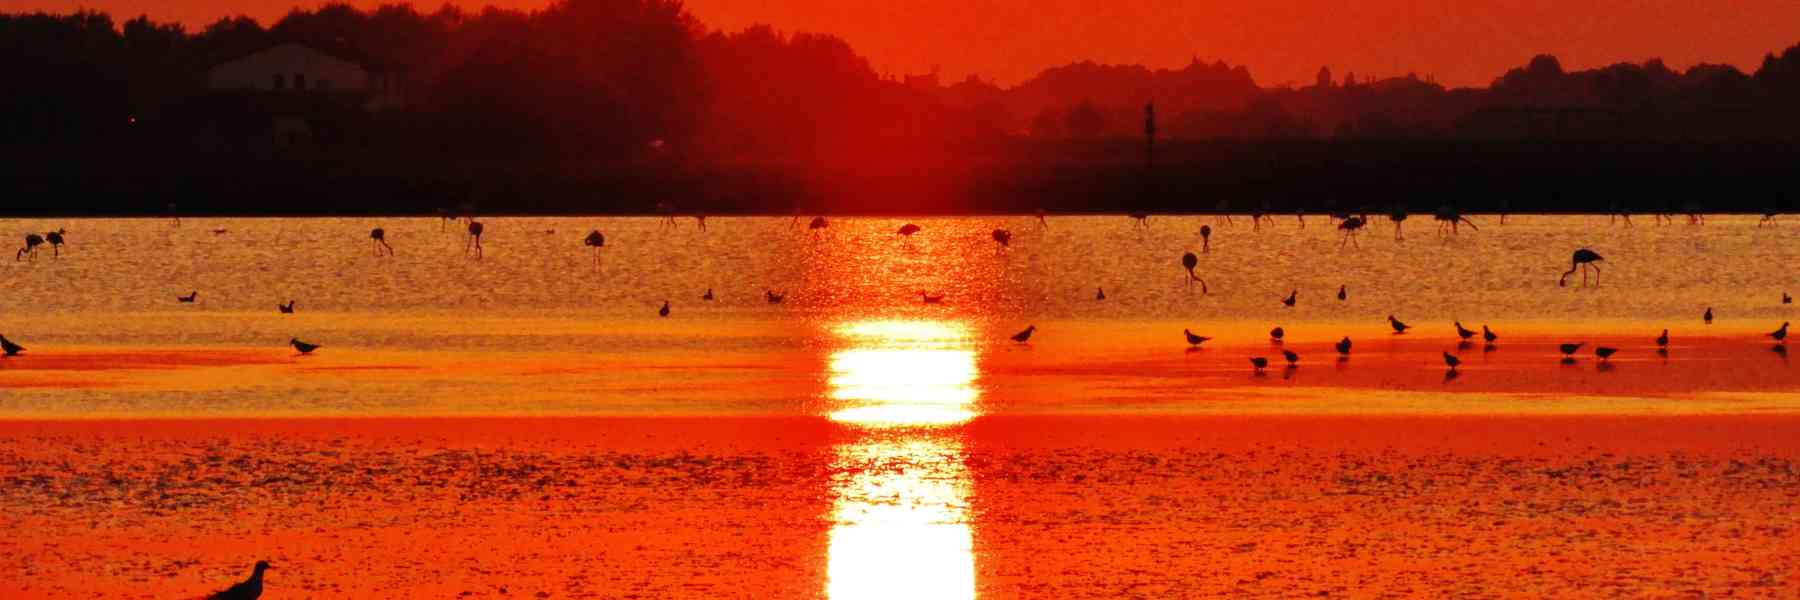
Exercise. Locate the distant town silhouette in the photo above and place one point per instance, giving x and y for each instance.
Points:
(618, 105)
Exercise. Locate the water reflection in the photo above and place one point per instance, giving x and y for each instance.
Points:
(901, 527)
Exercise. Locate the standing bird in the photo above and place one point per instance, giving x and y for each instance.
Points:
(1099, 293)
(1451, 360)
(378, 239)
(1189, 261)
(1260, 363)
(1780, 335)
(1399, 219)
(303, 347)
(1662, 341)
(474, 238)
(818, 223)
(188, 299)
(32, 241)
(708, 296)
(1194, 340)
(1708, 316)
(908, 229)
(664, 311)
(1343, 293)
(1786, 299)
(1583, 259)
(1024, 336)
(1206, 238)
(1488, 335)
(1569, 349)
(56, 242)
(1398, 326)
(9, 348)
(1141, 220)
(1276, 334)
(773, 297)
(1464, 332)
(1350, 226)
(1002, 239)
(1343, 346)
(1292, 358)
(1042, 222)
(248, 589)
(286, 309)
(1604, 352)
(1292, 297)
(597, 240)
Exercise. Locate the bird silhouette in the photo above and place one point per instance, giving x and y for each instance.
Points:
(1708, 316)
(286, 309)
(1291, 298)
(1448, 218)
(930, 299)
(1569, 349)
(1343, 293)
(9, 348)
(1398, 326)
(1002, 239)
(220, 231)
(1206, 238)
(1488, 335)
(188, 299)
(1259, 362)
(378, 239)
(908, 229)
(1024, 336)
(248, 589)
(1343, 346)
(1189, 261)
(1786, 299)
(56, 242)
(773, 297)
(597, 241)
(1140, 219)
(1292, 357)
(475, 229)
(1662, 341)
(1451, 360)
(1463, 332)
(708, 296)
(32, 241)
(303, 347)
(1194, 340)
(1350, 227)
(1604, 352)
(664, 311)
(1399, 219)
(1583, 259)
(1780, 335)
(1276, 334)
(1099, 293)
(1042, 222)
(818, 223)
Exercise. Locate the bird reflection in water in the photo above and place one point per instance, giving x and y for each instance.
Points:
(900, 525)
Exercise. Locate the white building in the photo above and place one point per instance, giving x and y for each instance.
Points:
(297, 68)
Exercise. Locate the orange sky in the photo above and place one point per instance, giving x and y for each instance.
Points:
(1461, 42)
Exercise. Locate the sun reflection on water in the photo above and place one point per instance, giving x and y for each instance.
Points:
(900, 514)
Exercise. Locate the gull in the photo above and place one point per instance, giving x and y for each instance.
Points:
(303, 347)
(1195, 340)
(1024, 336)
(248, 589)
(11, 349)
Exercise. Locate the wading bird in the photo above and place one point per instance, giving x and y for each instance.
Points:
(248, 589)
(188, 299)
(303, 347)
(56, 242)
(1780, 335)
(773, 297)
(597, 241)
(32, 241)
(1350, 227)
(1260, 363)
(1292, 297)
(9, 348)
(286, 309)
(1708, 316)
(664, 311)
(1570, 349)
(1140, 220)
(1786, 299)
(1662, 341)
(1583, 259)
(1343, 346)
(1002, 239)
(1399, 219)
(1463, 332)
(1024, 336)
(474, 238)
(908, 229)
(1343, 293)
(1276, 334)
(1292, 358)
(1398, 326)
(1206, 238)
(378, 239)
(1189, 261)
(1768, 218)
(1194, 340)
(818, 223)
(1604, 352)
(1449, 218)
(1099, 293)
(1488, 335)
(1042, 222)
(1451, 360)
(708, 296)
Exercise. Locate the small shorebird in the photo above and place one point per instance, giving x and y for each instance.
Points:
(595, 240)
(9, 348)
(1451, 360)
(930, 299)
(1259, 362)
(303, 347)
(248, 589)
(1099, 293)
(1195, 340)
(1569, 349)
(1276, 334)
(1292, 358)
(1343, 346)
(664, 311)
(1343, 293)
(1662, 341)
(1206, 238)
(1488, 335)
(1463, 332)
(475, 229)
(1786, 299)
(286, 309)
(1583, 259)
(708, 296)
(188, 299)
(1708, 316)
(1780, 335)
(1024, 336)
(1292, 297)
(773, 297)
(908, 229)
(1398, 326)
(1604, 352)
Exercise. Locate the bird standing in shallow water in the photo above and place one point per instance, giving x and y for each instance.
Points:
(818, 223)
(1206, 238)
(1488, 335)
(56, 242)
(708, 296)
(1024, 336)
(907, 230)
(1568, 351)
(1343, 346)
(1259, 362)
(188, 299)
(1292, 358)
(378, 239)
(1099, 293)
(664, 312)
(9, 348)
(1786, 299)
(1451, 360)
(1002, 239)
(1276, 334)
(303, 347)
(1708, 316)
(1780, 335)
(1194, 340)
(1292, 297)
(1463, 332)
(1604, 352)
(1343, 293)
(773, 297)
(1583, 259)
(595, 240)
(475, 229)
(1398, 326)
(32, 241)
(248, 589)
(1190, 261)
(1662, 341)
(286, 309)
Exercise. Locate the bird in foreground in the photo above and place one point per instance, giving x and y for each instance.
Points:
(1195, 340)
(11, 349)
(1708, 316)
(1569, 349)
(1583, 259)
(286, 309)
(1259, 362)
(1099, 293)
(773, 297)
(1024, 336)
(1780, 335)
(930, 299)
(1463, 332)
(1276, 334)
(1292, 358)
(1451, 360)
(1343, 293)
(188, 299)
(1292, 297)
(303, 347)
(1398, 326)
(708, 296)
(1488, 334)
(908, 229)
(1343, 346)
(664, 312)
(1662, 341)
(1604, 352)
(248, 589)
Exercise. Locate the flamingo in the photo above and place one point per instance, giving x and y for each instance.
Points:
(286, 309)
(1780, 335)
(1141, 220)
(56, 242)
(1399, 219)
(378, 239)
(1292, 297)
(32, 241)
(908, 229)
(303, 347)
(1768, 218)
(1451, 360)
(1604, 352)
(818, 223)
(1276, 334)
(1464, 332)
(597, 240)
(1099, 293)
(1398, 326)
(700, 221)
(1350, 227)
(1449, 218)
(188, 299)
(1343, 346)
(1206, 238)
(1343, 293)
(664, 311)
(248, 589)
(1260, 363)
(1583, 259)
(1222, 211)
(1189, 261)
(474, 238)
(1708, 316)
(1024, 336)
(1194, 340)
(1002, 239)
(9, 348)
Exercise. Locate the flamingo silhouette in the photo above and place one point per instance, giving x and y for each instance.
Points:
(1259, 363)
(1002, 239)
(1768, 217)
(1449, 218)
(1583, 259)
(818, 223)
(1194, 340)
(1488, 335)
(1293, 358)
(773, 297)
(597, 240)
(378, 239)
(1042, 223)
(9, 348)
(1786, 299)
(1451, 360)
(1189, 261)
(1350, 227)
(1662, 341)
(56, 242)
(1604, 352)
(286, 309)
(1292, 297)
(708, 296)
(1463, 332)
(1343, 346)
(32, 241)
(1399, 219)
(248, 589)
(908, 229)
(700, 221)
(474, 238)
(1570, 349)
(1140, 220)
(1206, 238)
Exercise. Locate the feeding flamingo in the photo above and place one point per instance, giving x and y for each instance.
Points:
(1583, 259)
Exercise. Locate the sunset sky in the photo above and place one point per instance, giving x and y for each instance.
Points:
(1461, 42)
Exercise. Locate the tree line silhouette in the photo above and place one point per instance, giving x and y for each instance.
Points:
(637, 95)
